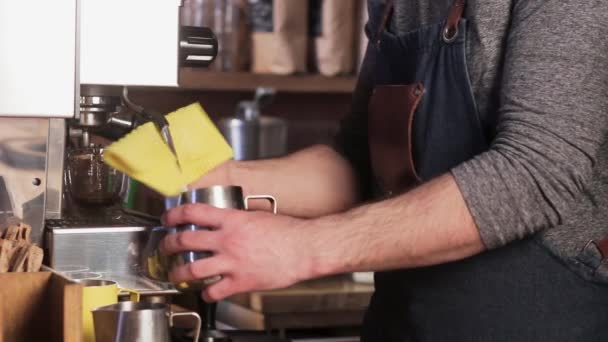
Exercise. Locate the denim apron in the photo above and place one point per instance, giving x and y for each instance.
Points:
(422, 122)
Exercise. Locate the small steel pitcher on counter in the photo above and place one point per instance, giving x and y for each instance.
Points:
(138, 321)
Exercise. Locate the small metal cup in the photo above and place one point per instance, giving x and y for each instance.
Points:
(96, 293)
(157, 266)
(132, 321)
(225, 197)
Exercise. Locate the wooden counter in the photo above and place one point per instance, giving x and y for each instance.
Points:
(324, 303)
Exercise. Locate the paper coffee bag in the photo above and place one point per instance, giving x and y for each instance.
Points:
(333, 35)
(279, 39)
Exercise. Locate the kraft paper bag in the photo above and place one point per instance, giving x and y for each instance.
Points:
(334, 43)
(280, 36)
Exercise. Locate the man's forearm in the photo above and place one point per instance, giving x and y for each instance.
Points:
(313, 182)
(428, 225)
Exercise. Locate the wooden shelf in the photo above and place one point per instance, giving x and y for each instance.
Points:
(192, 79)
(198, 79)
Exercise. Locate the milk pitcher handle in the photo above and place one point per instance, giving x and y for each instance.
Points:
(271, 199)
(197, 330)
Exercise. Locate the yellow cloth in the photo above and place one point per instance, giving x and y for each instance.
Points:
(143, 154)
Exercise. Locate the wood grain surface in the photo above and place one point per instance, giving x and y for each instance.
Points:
(40, 306)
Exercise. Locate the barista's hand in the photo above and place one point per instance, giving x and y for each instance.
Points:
(252, 250)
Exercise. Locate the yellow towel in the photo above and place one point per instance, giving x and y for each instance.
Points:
(143, 154)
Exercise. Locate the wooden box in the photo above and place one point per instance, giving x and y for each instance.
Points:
(40, 306)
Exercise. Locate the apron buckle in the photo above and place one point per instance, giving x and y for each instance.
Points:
(450, 32)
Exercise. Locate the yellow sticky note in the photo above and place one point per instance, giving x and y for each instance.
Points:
(144, 156)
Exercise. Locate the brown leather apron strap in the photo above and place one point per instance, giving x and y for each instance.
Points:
(388, 12)
(602, 245)
(451, 26)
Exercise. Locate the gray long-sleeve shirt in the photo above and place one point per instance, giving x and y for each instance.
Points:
(539, 72)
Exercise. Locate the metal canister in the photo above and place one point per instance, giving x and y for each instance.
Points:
(252, 135)
(132, 321)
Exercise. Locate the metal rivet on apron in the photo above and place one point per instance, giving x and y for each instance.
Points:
(450, 34)
(378, 43)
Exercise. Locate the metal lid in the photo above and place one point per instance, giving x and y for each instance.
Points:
(251, 110)
(248, 110)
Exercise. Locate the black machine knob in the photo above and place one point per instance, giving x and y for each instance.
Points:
(198, 46)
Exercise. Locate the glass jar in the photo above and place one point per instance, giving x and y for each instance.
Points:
(89, 180)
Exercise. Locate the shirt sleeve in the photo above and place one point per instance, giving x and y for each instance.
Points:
(552, 120)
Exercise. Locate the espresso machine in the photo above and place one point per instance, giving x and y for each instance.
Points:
(65, 70)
